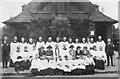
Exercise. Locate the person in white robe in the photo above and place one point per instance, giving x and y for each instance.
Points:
(22, 44)
(64, 52)
(57, 43)
(26, 53)
(57, 52)
(84, 43)
(76, 44)
(70, 42)
(13, 46)
(50, 43)
(35, 62)
(92, 43)
(30, 45)
(64, 43)
(100, 43)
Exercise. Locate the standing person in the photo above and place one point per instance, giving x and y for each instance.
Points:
(109, 51)
(100, 43)
(70, 42)
(64, 43)
(76, 44)
(50, 43)
(30, 45)
(84, 43)
(92, 43)
(22, 44)
(57, 43)
(40, 43)
(13, 46)
(57, 52)
(5, 52)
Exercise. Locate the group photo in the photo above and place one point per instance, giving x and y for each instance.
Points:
(50, 38)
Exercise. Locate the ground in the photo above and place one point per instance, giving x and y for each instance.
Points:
(108, 72)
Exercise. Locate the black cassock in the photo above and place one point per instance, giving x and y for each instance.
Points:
(5, 53)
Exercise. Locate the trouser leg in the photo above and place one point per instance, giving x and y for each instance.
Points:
(108, 60)
(111, 57)
(3, 64)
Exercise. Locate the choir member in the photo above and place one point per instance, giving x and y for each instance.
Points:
(84, 43)
(30, 45)
(78, 52)
(72, 52)
(5, 52)
(22, 44)
(100, 43)
(109, 51)
(35, 65)
(70, 42)
(76, 44)
(50, 43)
(89, 64)
(13, 46)
(42, 53)
(40, 43)
(33, 52)
(49, 53)
(58, 42)
(92, 43)
(64, 51)
(64, 43)
(85, 50)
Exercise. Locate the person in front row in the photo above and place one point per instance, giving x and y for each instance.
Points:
(109, 51)
(35, 65)
(85, 50)
(72, 52)
(49, 53)
(78, 52)
(42, 53)
(89, 64)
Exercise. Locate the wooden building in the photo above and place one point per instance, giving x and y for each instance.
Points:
(101, 24)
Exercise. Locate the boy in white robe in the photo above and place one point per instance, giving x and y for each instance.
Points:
(76, 44)
(92, 43)
(70, 42)
(50, 43)
(40, 43)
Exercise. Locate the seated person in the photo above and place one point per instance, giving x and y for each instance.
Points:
(33, 53)
(72, 52)
(89, 64)
(49, 53)
(64, 51)
(78, 52)
(35, 65)
(26, 53)
(85, 50)
(41, 52)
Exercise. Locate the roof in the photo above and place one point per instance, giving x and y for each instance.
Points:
(33, 10)
(98, 16)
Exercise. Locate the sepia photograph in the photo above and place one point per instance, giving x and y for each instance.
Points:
(59, 39)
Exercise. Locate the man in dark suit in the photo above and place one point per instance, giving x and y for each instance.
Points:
(78, 52)
(5, 52)
(109, 51)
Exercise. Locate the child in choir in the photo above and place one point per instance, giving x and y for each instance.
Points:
(89, 64)
(49, 53)
(42, 52)
(33, 52)
(67, 65)
(58, 43)
(40, 43)
(78, 52)
(85, 50)
(72, 52)
(92, 43)
(64, 51)
(35, 65)
(70, 42)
